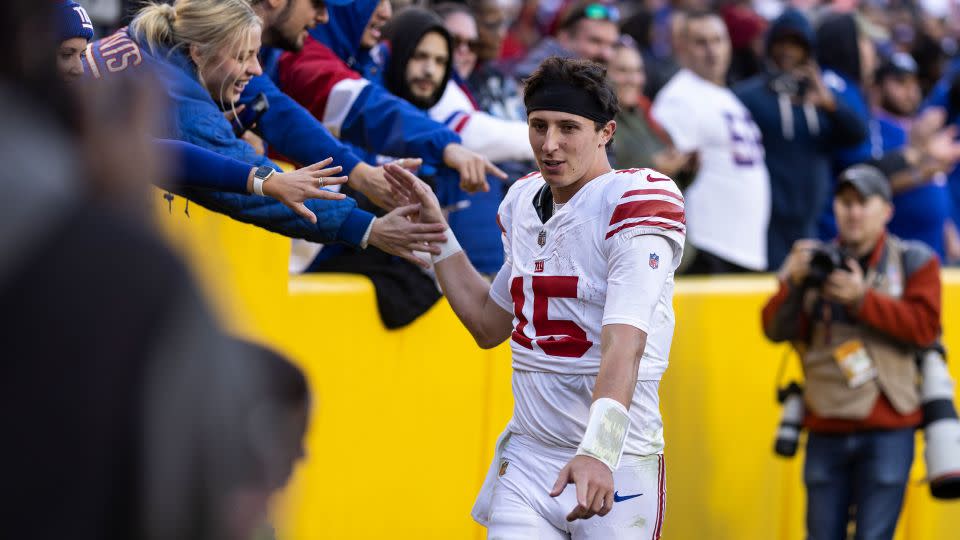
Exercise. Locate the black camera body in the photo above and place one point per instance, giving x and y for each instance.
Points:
(825, 260)
(790, 84)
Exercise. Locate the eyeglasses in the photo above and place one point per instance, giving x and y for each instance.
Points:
(602, 12)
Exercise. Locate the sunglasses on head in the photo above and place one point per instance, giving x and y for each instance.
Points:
(601, 12)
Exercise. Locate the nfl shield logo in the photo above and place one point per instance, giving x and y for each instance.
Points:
(654, 261)
(542, 238)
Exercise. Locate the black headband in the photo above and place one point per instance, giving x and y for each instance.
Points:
(564, 97)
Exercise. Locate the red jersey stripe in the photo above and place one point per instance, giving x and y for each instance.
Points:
(648, 209)
(666, 192)
(461, 123)
(661, 495)
(657, 224)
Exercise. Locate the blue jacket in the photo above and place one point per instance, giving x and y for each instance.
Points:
(194, 166)
(799, 141)
(198, 120)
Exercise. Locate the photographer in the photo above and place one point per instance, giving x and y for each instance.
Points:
(802, 122)
(857, 311)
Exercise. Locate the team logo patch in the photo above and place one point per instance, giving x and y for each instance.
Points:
(538, 266)
(542, 238)
(503, 467)
(654, 261)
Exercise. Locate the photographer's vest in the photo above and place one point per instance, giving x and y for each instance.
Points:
(827, 392)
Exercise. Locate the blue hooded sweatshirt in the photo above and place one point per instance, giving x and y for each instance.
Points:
(198, 120)
(799, 141)
(342, 34)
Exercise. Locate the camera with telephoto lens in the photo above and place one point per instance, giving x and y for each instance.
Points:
(825, 260)
(791, 419)
(941, 426)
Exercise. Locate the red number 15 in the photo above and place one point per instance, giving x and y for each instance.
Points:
(572, 341)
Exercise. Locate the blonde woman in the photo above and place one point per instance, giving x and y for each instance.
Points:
(205, 51)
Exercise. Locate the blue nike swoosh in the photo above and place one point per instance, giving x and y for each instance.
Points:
(617, 498)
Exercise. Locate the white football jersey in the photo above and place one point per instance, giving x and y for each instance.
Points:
(555, 280)
(728, 203)
(559, 269)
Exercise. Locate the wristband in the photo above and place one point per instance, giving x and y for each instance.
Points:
(449, 248)
(606, 432)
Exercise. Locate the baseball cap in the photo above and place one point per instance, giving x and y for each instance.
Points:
(337, 2)
(898, 64)
(867, 180)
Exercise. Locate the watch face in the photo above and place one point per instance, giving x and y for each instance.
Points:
(264, 172)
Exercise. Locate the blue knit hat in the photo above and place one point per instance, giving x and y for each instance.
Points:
(73, 22)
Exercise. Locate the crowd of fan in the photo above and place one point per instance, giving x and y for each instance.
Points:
(754, 107)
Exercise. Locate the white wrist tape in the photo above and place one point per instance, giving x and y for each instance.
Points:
(449, 248)
(606, 432)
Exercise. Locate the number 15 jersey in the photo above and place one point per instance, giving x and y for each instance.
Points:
(556, 279)
(559, 271)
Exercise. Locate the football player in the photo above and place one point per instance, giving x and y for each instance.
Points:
(585, 296)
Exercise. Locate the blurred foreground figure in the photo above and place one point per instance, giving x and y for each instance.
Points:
(127, 413)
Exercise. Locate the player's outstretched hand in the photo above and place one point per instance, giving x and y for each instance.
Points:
(398, 234)
(594, 482)
(295, 187)
(473, 168)
(371, 182)
(409, 189)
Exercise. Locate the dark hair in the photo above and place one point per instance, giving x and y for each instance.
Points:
(640, 27)
(583, 74)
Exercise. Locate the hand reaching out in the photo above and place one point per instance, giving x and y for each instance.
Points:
(473, 168)
(293, 188)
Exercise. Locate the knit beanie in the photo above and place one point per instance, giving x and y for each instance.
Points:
(73, 21)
